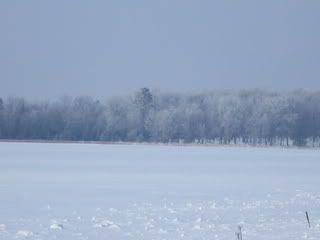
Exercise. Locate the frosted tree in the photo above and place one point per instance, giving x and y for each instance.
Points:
(82, 119)
(251, 117)
(118, 121)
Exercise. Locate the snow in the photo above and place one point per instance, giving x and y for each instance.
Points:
(56, 225)
(91, 191)
(24, 234)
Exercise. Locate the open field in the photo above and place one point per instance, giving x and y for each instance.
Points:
(91, 191)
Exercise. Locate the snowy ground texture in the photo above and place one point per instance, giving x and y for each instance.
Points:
(88, 191)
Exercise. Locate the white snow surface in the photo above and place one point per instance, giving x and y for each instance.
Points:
(92, 191)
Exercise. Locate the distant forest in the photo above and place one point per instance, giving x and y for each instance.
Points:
(254, 117)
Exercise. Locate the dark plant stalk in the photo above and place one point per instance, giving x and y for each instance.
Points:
(240, 232)
(308, 220)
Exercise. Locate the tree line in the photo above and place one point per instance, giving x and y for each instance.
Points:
(254, 117)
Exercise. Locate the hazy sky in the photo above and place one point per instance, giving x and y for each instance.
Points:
(111, 47)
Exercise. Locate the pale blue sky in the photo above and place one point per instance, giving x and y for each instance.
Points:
(102, 48)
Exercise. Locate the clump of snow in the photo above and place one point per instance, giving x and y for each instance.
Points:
(56, 225)
(105, 223)
(114, 226)
(24, 234)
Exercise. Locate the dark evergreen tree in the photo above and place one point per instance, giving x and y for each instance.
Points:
(144, 102)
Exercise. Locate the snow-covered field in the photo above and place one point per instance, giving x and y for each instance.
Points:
(88, 191)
